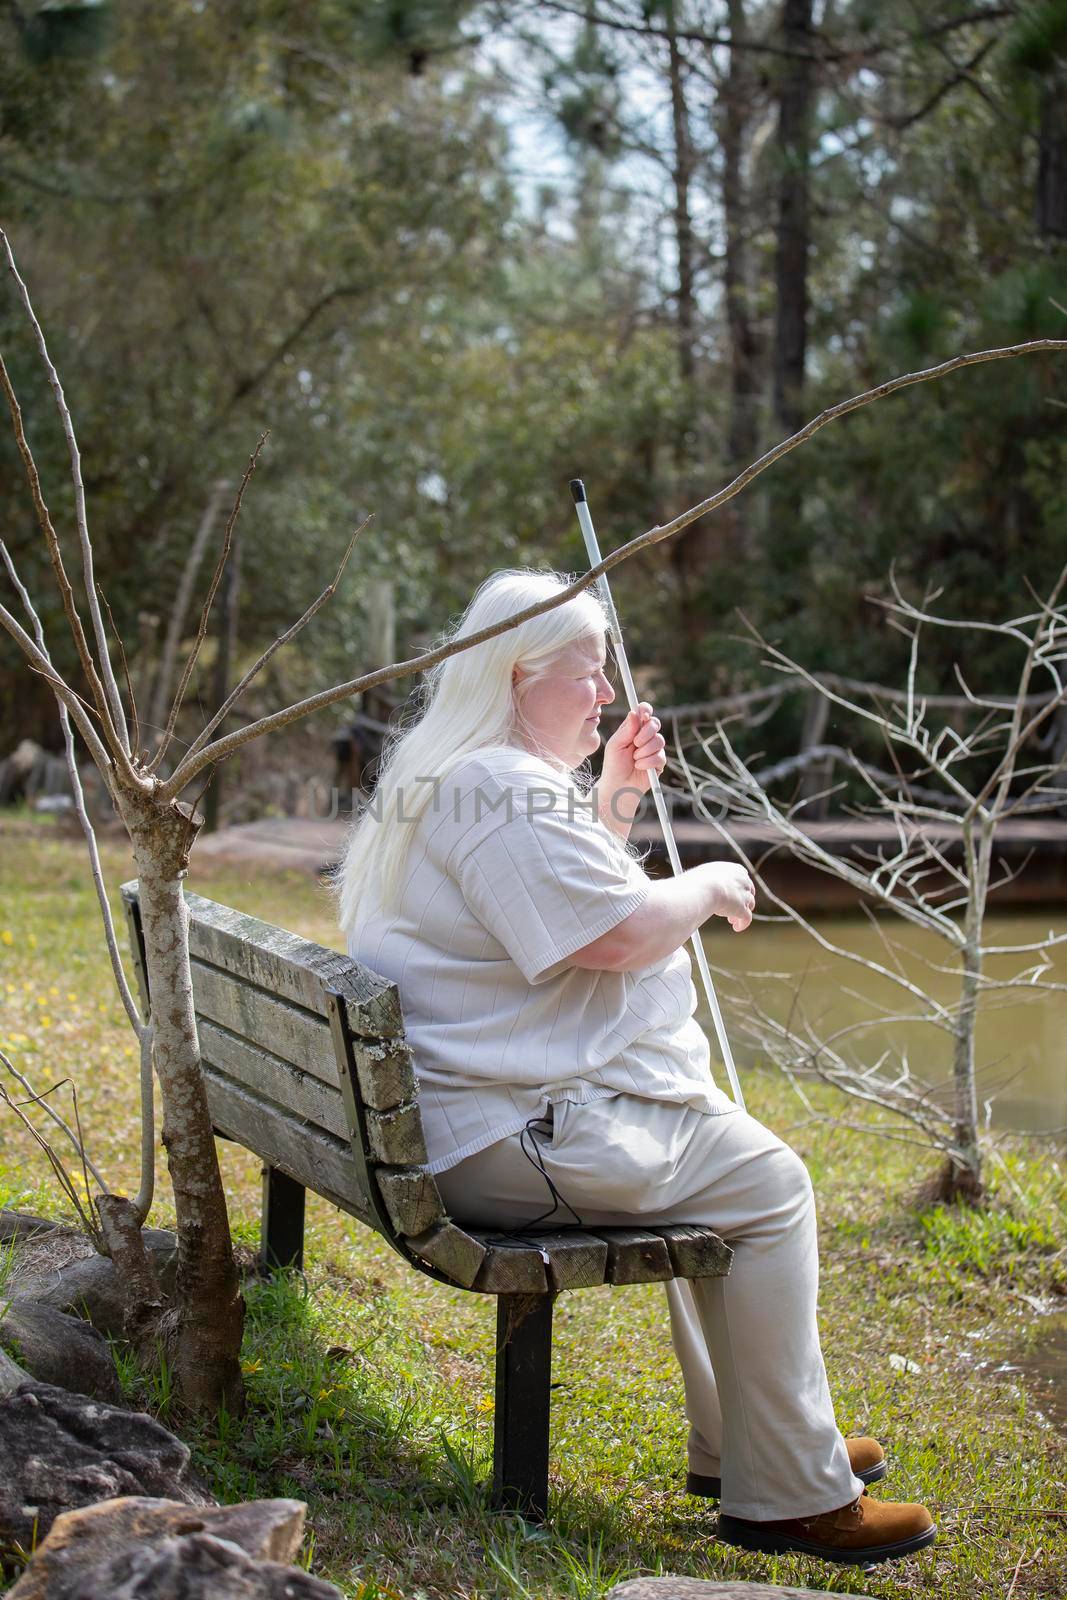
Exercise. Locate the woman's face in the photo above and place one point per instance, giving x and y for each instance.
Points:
(561, 709)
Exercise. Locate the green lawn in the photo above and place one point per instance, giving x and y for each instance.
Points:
(370, 1392)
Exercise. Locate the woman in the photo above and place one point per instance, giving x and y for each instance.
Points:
(549, 1002)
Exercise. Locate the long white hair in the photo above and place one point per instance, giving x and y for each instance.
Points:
(467, 703)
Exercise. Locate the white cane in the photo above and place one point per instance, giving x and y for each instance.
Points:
(581, 505)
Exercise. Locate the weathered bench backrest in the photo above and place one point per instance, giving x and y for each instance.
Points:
(306, 1063)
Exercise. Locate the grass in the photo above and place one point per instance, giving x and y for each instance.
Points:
(369, 1386)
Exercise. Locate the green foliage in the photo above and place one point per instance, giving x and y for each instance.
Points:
(1038, 38)
(986, 1243)
(312, 218)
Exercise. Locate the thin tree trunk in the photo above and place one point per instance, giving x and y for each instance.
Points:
(793, 246)
(690, 553)
(743, 425)
(206, 1342)
(1051, 205)
(961, 1178)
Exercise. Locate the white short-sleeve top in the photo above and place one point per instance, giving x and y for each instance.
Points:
(508, 873)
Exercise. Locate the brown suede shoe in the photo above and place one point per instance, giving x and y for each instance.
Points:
(866, 1456)
(855, 1535)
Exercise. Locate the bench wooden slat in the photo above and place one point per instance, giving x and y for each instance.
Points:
(452, 1251)
(386, 1072)
(292, 967)
(696, 1252)
(287, 1031)
(511, 1269)
(411, 1199)
(307, 1098)
(636, 1255)
(314, 1158)
(396, 1137)
(576, 1260)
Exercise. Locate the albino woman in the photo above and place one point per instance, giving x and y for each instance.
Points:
(550, 1006)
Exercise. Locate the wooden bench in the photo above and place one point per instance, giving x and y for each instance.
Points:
(307, 1066)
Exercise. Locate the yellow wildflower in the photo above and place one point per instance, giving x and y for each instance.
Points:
(46, 1022)
(7, 936)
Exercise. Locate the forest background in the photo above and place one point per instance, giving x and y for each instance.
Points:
(452, 254)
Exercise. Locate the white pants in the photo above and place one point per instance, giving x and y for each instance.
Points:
(756, 1394)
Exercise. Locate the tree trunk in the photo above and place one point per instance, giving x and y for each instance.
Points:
(690, 553)
(791, 258)
(208, 1308)
(960, 1180)
(743, 426)
(1052, 157)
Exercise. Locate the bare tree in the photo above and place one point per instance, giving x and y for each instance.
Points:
(203, 1321)
(940, 790)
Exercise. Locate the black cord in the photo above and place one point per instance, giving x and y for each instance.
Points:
(534, 1157)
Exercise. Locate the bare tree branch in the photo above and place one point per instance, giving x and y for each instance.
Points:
(143, 1031)
(201, 633)
(180, 608)
(235, 695)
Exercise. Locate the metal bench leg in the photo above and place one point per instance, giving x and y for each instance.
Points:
(281, 1229)
(523, 1374)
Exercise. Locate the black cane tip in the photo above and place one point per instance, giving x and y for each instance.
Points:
(577, 491)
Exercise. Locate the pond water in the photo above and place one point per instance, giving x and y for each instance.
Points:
(1021, 1050)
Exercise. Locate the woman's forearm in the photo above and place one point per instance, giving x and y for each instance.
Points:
(672, 911)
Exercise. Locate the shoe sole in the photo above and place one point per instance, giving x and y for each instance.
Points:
(711, 1488)
(747, 1536)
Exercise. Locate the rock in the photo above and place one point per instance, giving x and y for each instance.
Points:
(139, 1547)
(58, 1268)
(11, 1375)
(61, 1350)
(22, 1225)
(61, 1451)
(699, 1589)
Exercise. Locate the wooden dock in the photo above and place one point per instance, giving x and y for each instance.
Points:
(1033, 850)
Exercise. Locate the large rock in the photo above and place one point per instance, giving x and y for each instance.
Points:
(61, 1451)
(137, 1547)
(699, 1589)
(61, 1350)
(12, 1375)
(58, 1268)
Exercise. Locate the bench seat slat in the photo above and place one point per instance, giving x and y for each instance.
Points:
(576, 1260)
(314, 1158)
(452, 1251)
(511, 1269)
(636, 1255)
(696, 1252)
